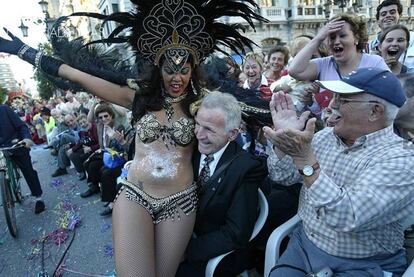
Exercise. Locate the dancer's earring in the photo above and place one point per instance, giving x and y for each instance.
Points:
(193, 87)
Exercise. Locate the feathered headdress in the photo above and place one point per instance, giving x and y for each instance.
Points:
(175, 29)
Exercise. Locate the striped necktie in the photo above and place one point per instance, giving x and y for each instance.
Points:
(205, 171)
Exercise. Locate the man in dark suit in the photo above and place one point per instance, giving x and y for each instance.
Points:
(228, 201)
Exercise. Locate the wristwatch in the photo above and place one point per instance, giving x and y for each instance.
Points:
(309, 170)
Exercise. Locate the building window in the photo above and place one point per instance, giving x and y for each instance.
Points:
(274, 12)
(310, 11)
(266, 3)
(115, 8)
(300, 11)
(275, 3)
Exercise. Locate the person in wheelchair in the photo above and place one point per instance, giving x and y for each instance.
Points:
(357, 175)
(11, 128)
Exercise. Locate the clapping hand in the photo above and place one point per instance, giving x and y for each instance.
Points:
(10, 46)
(291, 134)
(119, 136)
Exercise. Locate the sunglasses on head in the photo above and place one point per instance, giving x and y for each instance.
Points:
(103, 116)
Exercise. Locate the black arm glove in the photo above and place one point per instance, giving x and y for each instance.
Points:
(15, 46)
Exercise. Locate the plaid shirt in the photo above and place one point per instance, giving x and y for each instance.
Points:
(355, 207)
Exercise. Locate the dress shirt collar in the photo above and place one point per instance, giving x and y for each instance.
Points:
(213, 163)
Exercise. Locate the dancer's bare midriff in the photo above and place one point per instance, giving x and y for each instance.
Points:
(160, 170)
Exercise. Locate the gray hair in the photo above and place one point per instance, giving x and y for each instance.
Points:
(228, 104)
(390, 112)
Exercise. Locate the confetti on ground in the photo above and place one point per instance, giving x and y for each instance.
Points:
(2, 266)
(108, 251)
(105, 227)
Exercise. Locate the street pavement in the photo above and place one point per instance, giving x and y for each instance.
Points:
(43, 239)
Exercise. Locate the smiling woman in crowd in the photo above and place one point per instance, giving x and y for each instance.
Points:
(253, 68)
(393, 44)
(347, 37)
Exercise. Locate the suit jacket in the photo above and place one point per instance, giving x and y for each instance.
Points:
(228, 207)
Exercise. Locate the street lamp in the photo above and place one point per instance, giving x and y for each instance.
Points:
(47, 20)
(43, 5)
(23, 28)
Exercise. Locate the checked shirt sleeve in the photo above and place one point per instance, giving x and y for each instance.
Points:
(378, 194)
(283, 171)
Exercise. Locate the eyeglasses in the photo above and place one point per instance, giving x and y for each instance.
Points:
(342, 101)
(104, 116)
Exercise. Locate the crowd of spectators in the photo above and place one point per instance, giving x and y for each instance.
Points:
(79, 128)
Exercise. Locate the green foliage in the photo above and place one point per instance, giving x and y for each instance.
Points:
(3, 94)
(44, 86)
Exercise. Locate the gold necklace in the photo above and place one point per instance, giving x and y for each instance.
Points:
(175, 99)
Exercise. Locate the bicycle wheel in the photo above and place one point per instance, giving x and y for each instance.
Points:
(8, 205)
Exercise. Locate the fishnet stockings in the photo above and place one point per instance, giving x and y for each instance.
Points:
(142, 249)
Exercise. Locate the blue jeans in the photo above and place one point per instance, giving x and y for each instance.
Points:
(303, 254)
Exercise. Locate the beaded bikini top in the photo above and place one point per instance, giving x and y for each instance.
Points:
(181, 132)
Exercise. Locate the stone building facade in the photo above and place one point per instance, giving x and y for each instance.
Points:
(289, 19)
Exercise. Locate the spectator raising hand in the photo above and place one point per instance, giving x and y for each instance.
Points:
(291, 134)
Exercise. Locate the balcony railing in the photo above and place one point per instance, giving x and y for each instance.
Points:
(305, 13)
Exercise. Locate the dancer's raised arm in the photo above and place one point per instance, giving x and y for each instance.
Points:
(121, 95)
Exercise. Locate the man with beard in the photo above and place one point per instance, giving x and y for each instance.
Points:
(358, 178)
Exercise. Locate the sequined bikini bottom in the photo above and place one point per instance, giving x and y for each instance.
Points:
(161, 208)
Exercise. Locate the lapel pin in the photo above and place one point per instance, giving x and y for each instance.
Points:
(219, 180)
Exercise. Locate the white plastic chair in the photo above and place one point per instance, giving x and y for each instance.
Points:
(126, 167)
(284, 230)
(409, 272)
(274, 241)
(260, 221)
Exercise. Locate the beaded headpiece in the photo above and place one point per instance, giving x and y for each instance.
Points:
(176, 29)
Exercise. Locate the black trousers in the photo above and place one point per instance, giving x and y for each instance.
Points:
(22, 159)
(78, 158)
(93, 167)
(98, 173)
(231, 266)
(108, 183)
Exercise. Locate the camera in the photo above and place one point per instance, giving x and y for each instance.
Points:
(86, 141)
